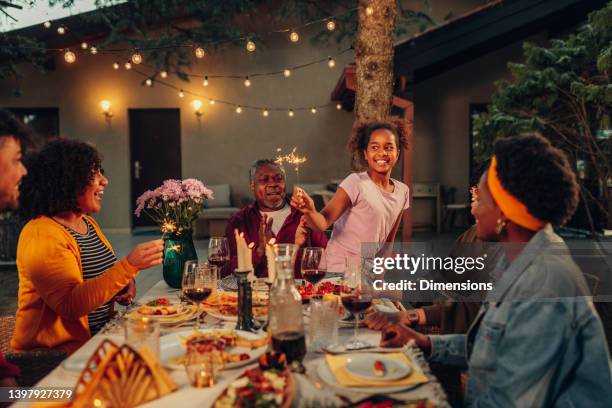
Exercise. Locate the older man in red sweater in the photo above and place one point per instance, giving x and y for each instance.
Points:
(270, 216)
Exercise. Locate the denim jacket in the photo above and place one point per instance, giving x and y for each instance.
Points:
(537, 340)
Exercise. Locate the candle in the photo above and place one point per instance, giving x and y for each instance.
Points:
(270, 259)
(239, 250)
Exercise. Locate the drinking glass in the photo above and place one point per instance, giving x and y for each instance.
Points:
(203, 362)
(218, 252)
(142, 332)
(323, 327)
(313, 266)
(356, 295)
(199, 280)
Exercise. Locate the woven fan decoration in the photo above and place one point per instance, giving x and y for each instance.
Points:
(121, 377)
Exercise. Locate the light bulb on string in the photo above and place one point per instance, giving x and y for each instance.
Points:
(61, 30)
(338, 106)
(199, 52)
(291, 113)
(212, 101)
(84, 45)
(247, 82)
(331, 25)
(69, 56)
(369, 10)
(330, 62)
(181, 94)
(136, 58)
(163, 74)
(250, 46)
(115, 65)
(47, 24)
(149, 82)
(265, 113)
(128, 65)
(287, 73)
(238, 109)
(205, 82)
(313, 110)
(294, 36)
(93, 50)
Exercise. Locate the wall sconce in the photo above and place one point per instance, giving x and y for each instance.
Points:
(106, 109)
(197, 107)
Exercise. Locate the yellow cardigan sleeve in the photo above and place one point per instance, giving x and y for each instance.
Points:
(56, 275)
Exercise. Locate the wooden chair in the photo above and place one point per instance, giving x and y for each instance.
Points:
(33, 365)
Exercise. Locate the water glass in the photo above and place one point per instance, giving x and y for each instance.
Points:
(142, 332)
(202, 365)
(323, 327)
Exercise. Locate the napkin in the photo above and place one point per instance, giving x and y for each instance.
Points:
(337, 365)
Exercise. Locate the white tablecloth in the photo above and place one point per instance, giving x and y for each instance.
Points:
(309, 386)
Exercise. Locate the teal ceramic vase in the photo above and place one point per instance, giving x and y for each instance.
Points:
(178, 249)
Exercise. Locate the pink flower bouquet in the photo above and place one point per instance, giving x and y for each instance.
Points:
(175, 204)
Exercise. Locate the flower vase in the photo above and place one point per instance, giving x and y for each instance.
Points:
(178, 248)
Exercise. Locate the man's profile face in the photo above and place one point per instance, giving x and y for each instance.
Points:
(11, 172)
(269, 187)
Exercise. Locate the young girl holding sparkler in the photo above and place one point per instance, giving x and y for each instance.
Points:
(368, 206)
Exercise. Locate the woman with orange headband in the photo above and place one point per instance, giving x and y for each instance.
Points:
(537, 340)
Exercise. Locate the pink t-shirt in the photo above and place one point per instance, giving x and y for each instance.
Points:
(369, 219)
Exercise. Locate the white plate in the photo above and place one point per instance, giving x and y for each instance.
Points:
(361, 365)
(186, 309)
(327, 377)
(170, 346)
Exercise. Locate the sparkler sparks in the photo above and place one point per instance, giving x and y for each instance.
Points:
(293, 159)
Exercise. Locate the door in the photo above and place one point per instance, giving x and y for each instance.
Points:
(155, 152)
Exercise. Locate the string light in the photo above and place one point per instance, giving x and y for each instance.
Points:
(181, 94)
(128, 65)
(313, 110)
(238, 109)
(69, 57)
(84, 45)
(136, 58)
(115, 65)
(287, 73)
(149, 82)
(199, 52)
(331, 25)
(338, 106)
(369, 11)
(163, 74)
(61, 30)
(265, 113)
(247, 82)
(205, 82)
(212, 101)
(331, 63)
(93, 50)
(294, 36)
(47, 24)
(250, 46)
(291, 113)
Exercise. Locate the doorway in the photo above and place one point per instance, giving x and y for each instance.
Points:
(155, 153)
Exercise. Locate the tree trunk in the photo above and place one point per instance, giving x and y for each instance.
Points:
(374, 60)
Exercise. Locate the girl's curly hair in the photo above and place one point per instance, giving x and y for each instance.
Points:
(361, 137)
(57, 175)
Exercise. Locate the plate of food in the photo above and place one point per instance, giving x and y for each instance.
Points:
(326, 286)
(377, 367)
(257, 387)
(161, 308)
(238, 348)
(224, 306)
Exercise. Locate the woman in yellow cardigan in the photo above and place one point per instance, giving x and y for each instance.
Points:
(68, 273)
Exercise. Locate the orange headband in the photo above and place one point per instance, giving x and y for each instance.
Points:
(514, 209)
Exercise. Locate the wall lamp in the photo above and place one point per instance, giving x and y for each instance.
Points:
(105, 105)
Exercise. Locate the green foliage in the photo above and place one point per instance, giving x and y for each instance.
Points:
(562, 91)
(15, 50)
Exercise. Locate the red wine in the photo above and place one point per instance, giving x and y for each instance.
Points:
(218, 261)
(313, 276)
(293, 344)
(356, 303)
(197, 295)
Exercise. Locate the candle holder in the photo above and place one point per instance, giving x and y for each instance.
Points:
(245, 302)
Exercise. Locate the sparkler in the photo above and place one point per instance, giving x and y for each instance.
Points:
(293, 159)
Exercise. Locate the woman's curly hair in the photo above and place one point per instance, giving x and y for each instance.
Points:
(57, 175)
(539, 175)
(361, 137)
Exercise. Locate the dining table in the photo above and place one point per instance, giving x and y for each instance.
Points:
(311, 389)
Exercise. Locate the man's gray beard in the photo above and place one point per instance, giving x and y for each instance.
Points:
(276, 205)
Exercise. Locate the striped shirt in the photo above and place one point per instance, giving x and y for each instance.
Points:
(96, 258)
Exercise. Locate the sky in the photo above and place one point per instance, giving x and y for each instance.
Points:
(39, 13)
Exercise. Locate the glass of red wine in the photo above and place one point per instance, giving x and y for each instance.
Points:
(356, 294)
(313, 266)
(218, 252)
(199, 280)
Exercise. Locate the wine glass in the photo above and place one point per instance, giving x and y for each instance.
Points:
(218, 252)
(313, 266)
(356, 294)
(199, 280)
